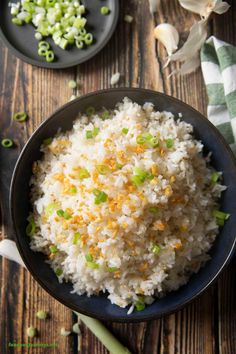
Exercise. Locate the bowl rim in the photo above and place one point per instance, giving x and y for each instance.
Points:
(56, 65)
(121, 319)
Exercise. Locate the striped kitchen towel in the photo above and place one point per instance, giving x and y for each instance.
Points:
(218, 62)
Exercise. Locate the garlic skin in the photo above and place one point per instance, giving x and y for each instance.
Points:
(188, 54)
(153, 5)
(168, 36)
(204, 8)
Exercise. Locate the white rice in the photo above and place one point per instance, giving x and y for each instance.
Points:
(119, 234)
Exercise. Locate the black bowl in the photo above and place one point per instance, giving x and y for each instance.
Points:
(99, 306)
(20, 39)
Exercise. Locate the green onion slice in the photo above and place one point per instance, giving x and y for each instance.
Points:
(76, 238)
(90, 111)
(104, 10)
(53, 249)
(20, 117)
(89, 257)
(7, 143)
(139, 305)
(215, 177)
(100, 196)
(112, 269)
(83, 173)
(156, 249)
(58, 272)
(125, 131)
(153, 210)
(92, 265)
(169, 143)
(50, 56)
(103, 169)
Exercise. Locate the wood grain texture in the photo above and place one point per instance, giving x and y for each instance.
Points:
(207, 325)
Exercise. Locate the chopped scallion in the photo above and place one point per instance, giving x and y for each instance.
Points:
(83, 173)
(53, 249)
(58, 272)
(169, 143)
(125, 131)
(76, 238)
(7, 143)
(100, 196)
(89, 257)
(156, 249)
(104, 10)
(20, 116)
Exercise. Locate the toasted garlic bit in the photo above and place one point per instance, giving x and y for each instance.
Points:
(31, 332)
(168, 36)
(64, 332)
(204, 8)
(115, 78)
(153, 5)
(189, 53)
(42, 315)
(128, 18)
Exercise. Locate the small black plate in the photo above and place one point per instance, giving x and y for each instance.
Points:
(20, 39)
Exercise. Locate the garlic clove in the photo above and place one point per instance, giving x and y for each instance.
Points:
(168, 36)
(221, 7)
(9, 250)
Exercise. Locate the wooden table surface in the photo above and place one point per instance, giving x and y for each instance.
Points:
(207, 325)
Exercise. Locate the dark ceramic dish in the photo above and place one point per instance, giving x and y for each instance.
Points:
(20, 39)
(100, 306)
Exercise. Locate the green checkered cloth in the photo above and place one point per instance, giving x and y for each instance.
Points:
(218, 62)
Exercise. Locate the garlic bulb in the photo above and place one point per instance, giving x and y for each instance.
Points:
(205, 7)
(168, 36)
